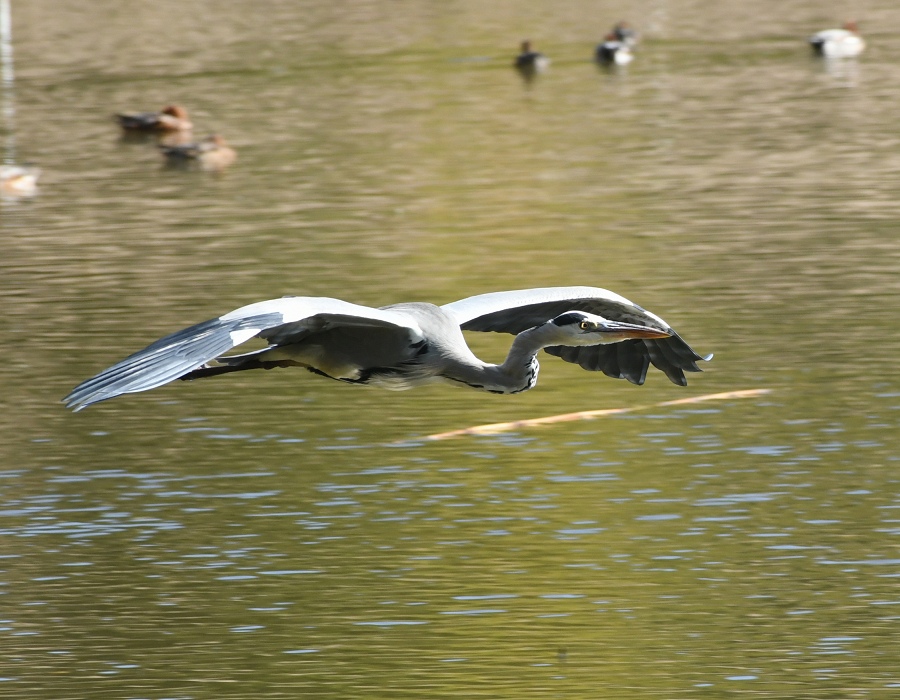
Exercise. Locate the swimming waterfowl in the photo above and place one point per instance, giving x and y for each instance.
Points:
(838, 43)
(529, 60)
(616, 46)
(614, 51)
(624, 33)
(211, 153)
(18, 180)
(169, 118)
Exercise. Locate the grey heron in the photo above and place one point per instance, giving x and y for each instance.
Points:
(405, 345)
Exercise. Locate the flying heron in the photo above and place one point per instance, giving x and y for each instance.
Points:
(405, 345)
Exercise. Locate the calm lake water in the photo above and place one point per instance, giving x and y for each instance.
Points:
(280, 535)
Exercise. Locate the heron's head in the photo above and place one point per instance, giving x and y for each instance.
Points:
(582, 328)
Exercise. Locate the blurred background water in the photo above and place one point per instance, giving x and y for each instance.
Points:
(279, 535)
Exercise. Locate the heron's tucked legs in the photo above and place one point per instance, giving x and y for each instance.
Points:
(245, 362)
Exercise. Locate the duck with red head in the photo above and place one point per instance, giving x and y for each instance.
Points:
(170, 118)
(838, 43)
(615, 49)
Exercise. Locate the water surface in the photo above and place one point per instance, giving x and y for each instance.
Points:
(279, 535)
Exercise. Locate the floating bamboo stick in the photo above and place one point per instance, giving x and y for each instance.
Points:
(495, 428)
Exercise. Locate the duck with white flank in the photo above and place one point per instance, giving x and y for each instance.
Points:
(838, 43)
(616, 46)
(530, 61)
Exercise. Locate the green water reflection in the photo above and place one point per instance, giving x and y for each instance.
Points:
(281, 535)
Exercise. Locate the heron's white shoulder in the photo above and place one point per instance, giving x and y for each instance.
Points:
(515, 311)
(294, 311)
(472, 307)
(298, 308)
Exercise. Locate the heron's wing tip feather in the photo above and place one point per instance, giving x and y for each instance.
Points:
(168, 358)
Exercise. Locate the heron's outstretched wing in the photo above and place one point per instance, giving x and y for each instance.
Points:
(278, 321)
(516, 311)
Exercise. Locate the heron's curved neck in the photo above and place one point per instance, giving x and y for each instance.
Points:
(519, 370)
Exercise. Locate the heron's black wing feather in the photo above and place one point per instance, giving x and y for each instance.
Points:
(630, 359)
(618, 360)
(633, 364)
(662, 360)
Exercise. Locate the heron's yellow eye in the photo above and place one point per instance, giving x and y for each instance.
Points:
(585, 325)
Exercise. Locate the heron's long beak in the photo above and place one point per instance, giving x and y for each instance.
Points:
(627, 331)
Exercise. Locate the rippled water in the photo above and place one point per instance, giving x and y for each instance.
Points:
(282, 535)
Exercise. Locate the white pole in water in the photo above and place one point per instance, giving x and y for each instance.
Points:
(6, 77)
